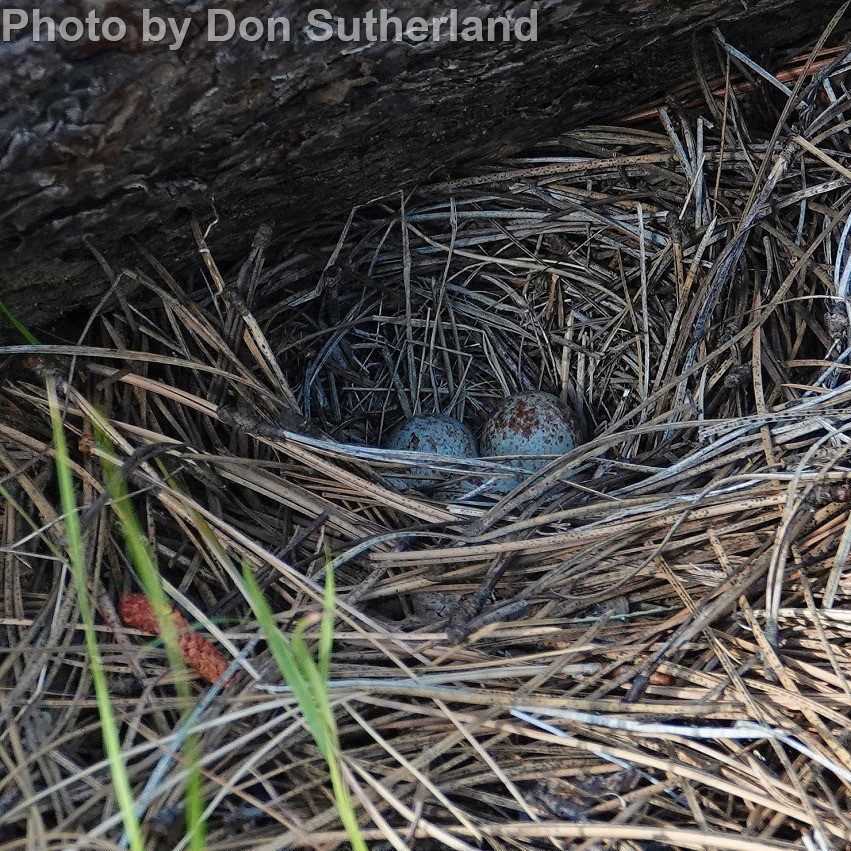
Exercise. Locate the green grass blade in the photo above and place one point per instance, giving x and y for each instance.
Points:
(76, 555)
(326, 633)
(309, 683)
(319, 689)
(144, 561)
(19, 326)
(283, 655)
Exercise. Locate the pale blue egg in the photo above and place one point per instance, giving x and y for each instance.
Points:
(432, 434)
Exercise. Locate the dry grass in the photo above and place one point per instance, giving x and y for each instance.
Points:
(646, 642)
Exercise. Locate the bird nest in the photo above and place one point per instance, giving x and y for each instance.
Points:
(457, 305)
(643, 642)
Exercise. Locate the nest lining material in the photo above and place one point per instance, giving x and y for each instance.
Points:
(573, 662)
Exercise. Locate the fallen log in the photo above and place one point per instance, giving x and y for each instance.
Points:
(112, 145)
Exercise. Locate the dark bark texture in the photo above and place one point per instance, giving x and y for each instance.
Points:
(107, 148)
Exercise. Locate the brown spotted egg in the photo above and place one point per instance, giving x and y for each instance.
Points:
(528, 426)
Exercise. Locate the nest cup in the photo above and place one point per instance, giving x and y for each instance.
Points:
(577, 285)
(398, 329)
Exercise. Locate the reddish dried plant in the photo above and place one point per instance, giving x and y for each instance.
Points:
(136, 612)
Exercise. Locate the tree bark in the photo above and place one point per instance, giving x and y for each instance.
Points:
(111, 148)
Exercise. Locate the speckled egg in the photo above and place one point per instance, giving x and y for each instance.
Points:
(433, 434)
(528, 424)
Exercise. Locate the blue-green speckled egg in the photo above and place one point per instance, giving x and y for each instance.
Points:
(433, 434)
